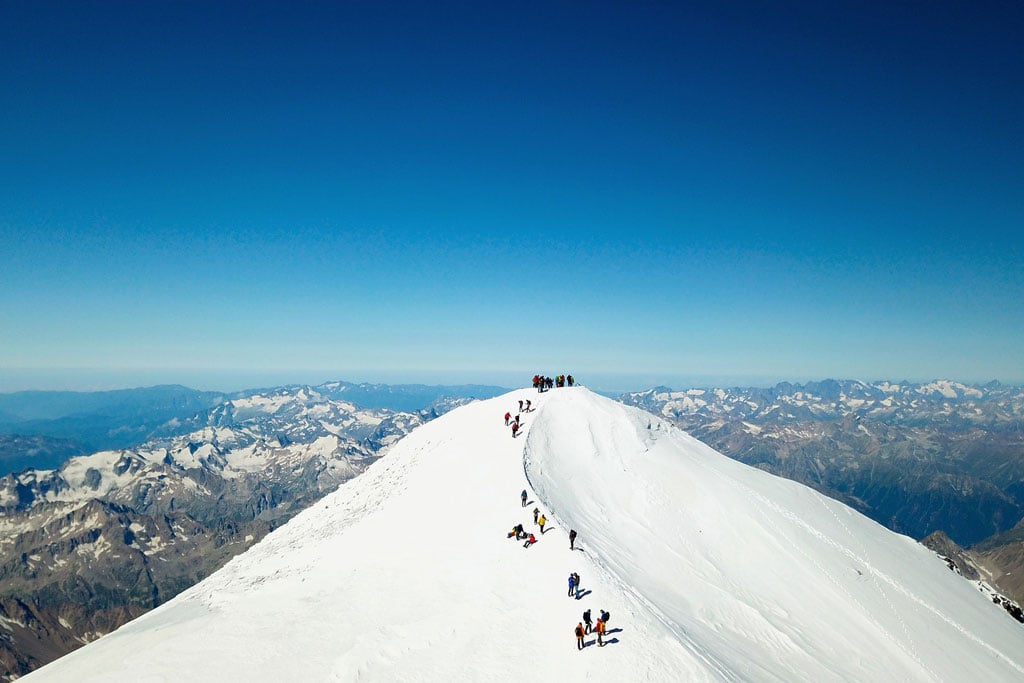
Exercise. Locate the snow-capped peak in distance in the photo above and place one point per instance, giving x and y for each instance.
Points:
(832, 399)
(711, 570)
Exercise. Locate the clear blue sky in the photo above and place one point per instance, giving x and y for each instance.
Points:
(226, 193)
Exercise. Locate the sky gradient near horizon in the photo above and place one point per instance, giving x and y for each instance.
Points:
(379, 191)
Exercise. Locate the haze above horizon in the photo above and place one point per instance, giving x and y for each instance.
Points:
(604, 383)
(449, 192)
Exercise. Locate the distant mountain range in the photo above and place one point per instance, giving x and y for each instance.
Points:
(408, 397)
(41, 429)
(18, 452)
(99, 420)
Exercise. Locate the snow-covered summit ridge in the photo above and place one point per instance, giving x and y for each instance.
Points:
(711, 569)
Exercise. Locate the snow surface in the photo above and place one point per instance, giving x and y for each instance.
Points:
(712, 571)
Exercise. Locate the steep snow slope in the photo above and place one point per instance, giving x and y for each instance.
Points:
(763, 577)
(712, 571)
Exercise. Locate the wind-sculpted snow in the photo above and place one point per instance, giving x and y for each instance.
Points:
(712, 571)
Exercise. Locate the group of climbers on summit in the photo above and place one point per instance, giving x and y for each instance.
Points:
(542, 383)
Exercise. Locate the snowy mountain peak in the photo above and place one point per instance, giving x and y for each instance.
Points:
(711, 570)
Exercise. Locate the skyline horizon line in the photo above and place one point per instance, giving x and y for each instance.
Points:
(227, 380)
